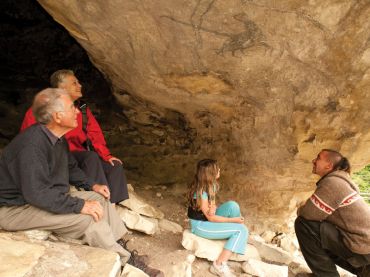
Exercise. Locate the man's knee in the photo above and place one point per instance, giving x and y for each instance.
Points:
(116, 169)
(307, 230)
(74, 226)
(91, 157)
(85, 222)
(89, 195)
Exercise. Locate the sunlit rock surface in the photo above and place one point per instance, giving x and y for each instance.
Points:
(261, 86)
(262, 269)
(46, 258)
(210, 249)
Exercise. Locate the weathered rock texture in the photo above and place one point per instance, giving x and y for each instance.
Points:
(20, 257)
(210, 249)
(260, 85)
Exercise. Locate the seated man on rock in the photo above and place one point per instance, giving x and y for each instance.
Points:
(98, 164)
(36, 169)
(333, 226)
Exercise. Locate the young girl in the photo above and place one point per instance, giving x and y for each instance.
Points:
(212, 222)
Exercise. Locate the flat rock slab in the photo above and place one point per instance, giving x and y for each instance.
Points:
(183, 269)
(50, 259)
(261, 269)
(138, 205)
(170, 226)
(270, 252)
(131, 271)
(135, 221)
(18, 257)
(210, 249)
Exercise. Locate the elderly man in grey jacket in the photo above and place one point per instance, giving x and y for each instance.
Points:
(36, 170)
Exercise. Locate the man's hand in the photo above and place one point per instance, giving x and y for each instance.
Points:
(102, 189)
(114, 159)
(93, 208)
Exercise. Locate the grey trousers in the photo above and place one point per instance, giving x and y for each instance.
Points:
(103, 234)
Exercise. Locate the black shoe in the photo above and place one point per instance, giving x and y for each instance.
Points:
(364, 271)
(134, 254)
(123, 243)
(136, 261)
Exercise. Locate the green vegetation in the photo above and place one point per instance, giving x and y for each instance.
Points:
(362, 179)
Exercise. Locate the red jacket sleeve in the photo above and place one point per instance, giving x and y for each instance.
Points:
(28, 120)
(95, 134)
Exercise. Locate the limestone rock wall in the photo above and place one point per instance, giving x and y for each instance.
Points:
(260, 85)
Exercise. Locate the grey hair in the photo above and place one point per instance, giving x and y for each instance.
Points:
(47, 102)
(58, 77)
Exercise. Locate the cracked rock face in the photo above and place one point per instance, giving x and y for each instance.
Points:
(261, 86)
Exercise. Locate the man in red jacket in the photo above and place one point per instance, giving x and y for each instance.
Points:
(99, 165)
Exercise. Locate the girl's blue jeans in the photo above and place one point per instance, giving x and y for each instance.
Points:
(235, 233)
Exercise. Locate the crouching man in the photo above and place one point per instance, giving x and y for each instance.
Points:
(36, 169)
(333, 226)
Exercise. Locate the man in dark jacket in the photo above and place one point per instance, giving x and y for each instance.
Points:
(333, 226)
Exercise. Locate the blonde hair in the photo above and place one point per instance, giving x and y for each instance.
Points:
(205, 180)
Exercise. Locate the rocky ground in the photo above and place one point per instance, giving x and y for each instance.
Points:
(34, 254)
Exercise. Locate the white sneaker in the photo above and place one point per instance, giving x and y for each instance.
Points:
(221, 270)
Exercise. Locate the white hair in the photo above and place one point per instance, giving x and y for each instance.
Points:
(47, 102)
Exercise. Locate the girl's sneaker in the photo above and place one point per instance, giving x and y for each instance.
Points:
(221, 270)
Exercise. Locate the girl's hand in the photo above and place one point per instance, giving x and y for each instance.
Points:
(212, 209)
(239, 219)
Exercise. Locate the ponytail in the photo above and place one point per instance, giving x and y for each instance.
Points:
(343, 164)
(339, 161)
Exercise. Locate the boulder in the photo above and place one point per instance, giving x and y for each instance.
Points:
(268, 236)
(299, 265)
(290, 244)
(269, 252)
(45, 258)
(138, 205)
(138, 222)
(37, 234)
(211, 249)
(182, 269)
(287, 241)
(18, 257)
(170, 226)
(131, 271)
(262, 269)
